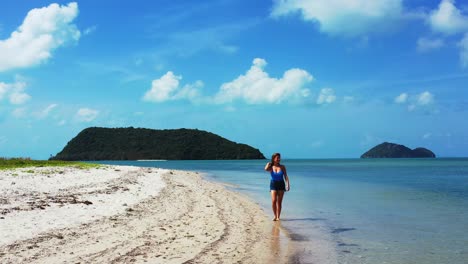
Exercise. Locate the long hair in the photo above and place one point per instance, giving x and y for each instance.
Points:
(273, 158)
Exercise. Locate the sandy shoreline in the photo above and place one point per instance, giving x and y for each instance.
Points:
(122, 214)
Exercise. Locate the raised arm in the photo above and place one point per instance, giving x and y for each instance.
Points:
(268, 166)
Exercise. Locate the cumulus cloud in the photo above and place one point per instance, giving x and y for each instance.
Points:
(425, 44)
(162, 88)
(424, 99)
(448, 19)
(401, 98)
(253, 87)
(189, 91)
(168, 88)
(463, 44)
(256, 86)
(326, 96)
(343, 17)
(19, 98)
(15, 92)
(86, 114)
(43, 30)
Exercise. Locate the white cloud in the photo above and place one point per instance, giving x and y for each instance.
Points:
(189, 91)
(425, 44)
(62, 122)
(401, 99)
(14, 92)
(253, 87)
(463, 44)
(43, 30)
(448, 19)
(343, 17)
(86, 114)
(326, 96)
(256, 86)
(167, 88)
(45, 112)
(162, 88)
(425, 98)
(19, 98)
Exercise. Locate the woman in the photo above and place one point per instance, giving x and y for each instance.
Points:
(277, 186)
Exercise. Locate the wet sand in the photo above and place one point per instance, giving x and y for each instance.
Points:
(122, 214)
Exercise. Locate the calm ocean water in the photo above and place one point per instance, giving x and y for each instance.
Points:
(360, 211)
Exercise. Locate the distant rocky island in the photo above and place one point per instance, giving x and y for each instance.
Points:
(97, 143)
(392, 150)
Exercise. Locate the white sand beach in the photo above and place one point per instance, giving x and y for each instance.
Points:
(122, 214)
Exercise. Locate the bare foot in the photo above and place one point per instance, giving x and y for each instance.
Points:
(275, 219)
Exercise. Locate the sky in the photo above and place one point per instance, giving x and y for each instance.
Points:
(308, 79)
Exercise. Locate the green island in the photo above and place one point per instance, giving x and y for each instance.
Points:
(98, 143)
(392, 150)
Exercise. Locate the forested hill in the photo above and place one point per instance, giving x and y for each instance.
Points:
(96, 143)
(392, 150)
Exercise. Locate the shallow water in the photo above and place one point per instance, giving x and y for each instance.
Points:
(360, 211)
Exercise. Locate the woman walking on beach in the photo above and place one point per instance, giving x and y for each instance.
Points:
(277, 185)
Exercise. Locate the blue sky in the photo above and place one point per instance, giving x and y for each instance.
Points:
(309, 79)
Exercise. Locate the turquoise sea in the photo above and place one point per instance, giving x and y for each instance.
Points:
(359, 210)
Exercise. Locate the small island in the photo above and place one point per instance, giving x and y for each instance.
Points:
(98, 143)
(392, 150)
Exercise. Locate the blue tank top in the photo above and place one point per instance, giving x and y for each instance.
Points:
(276, 176)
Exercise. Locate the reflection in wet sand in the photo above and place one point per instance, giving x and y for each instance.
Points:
(281, 245)
(309, 241)
(275, 239)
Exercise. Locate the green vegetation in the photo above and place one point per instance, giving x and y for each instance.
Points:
(97, 143)
(13, 163)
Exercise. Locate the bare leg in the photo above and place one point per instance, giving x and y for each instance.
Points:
(279, 204)
(273, 203)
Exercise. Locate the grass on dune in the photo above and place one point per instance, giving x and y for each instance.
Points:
(12, 163)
